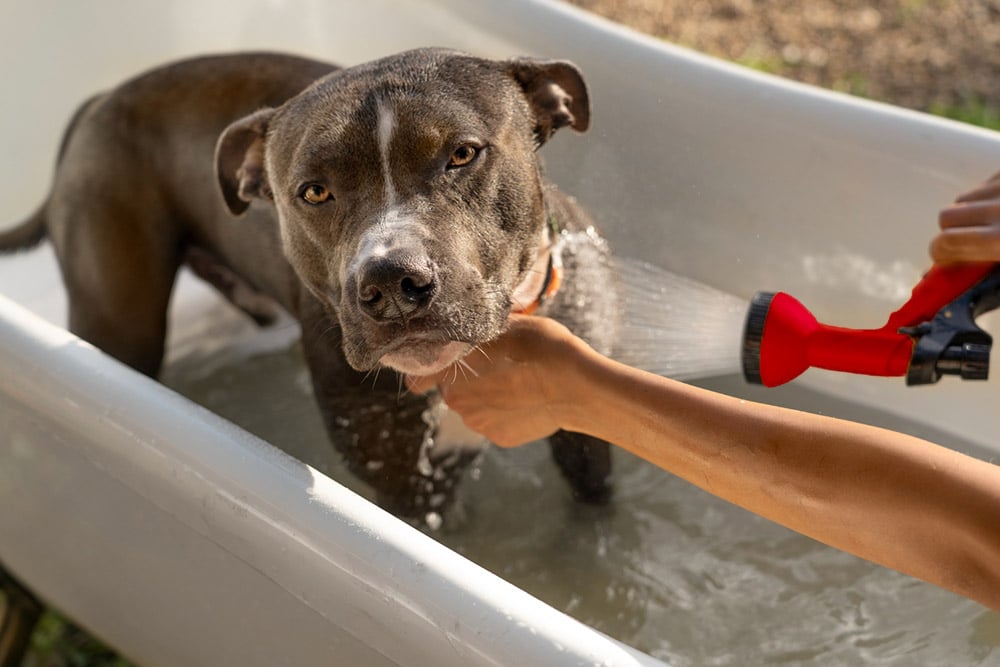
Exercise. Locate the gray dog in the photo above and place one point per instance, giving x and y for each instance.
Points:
(396, 209)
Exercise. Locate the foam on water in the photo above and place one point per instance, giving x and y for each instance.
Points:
(674, 326)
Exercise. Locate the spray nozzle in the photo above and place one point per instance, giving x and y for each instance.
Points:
(932, 334)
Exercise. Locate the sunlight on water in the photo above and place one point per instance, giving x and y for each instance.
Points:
(675, 326)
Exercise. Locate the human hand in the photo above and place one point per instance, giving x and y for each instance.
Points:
(970, 228)
(512, 390)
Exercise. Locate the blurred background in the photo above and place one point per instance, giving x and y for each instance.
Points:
(937, 56)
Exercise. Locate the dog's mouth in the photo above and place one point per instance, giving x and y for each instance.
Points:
(421, 354)
(420, 346)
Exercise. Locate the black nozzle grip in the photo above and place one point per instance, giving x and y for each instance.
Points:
(951, 343)
(753, 335)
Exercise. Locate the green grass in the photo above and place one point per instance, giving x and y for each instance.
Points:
(972, 111)
(58, 643)
(853, 84)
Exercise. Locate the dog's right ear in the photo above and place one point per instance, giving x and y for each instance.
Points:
(239, 161)
(556, 92)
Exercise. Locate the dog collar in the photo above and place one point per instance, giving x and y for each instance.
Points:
(553, 280)
(553, 271)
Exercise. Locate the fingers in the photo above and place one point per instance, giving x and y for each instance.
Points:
(967, 244)
(970, 229)
(497, 388)
(970, 214)
(521, 341)
(479, 361)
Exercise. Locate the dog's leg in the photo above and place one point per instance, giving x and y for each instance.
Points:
(119, 280)
(585, 462)
(380, 428)
(261, 308)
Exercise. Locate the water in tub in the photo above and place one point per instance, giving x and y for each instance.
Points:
(664, 567)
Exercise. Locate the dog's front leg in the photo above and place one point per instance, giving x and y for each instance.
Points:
(384, 432)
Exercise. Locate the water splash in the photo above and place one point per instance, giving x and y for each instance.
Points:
(675, 326)
(431, 416)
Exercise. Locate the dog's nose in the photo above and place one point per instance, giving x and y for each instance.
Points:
(391, 288)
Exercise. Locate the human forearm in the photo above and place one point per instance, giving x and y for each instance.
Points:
(890, 498)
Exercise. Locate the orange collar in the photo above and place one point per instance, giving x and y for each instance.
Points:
(553, 271)
(553, 280)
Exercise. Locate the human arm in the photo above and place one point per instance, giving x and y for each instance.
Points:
(893, 499)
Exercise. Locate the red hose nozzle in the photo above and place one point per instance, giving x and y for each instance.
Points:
(932, 333)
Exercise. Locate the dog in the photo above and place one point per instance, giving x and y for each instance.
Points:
(396, 209)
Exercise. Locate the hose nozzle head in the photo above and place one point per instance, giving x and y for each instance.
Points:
(775, 339)
(933, 333)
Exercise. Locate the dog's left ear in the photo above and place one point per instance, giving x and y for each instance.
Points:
(556, 93)
(239, 161)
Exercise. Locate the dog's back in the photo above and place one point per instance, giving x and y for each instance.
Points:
(134, 178)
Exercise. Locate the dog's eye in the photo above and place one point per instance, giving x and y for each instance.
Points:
(315, 194)
(463, 155)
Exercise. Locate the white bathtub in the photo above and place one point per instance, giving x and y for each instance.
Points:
(181, 539)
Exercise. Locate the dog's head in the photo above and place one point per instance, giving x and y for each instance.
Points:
(409, 195)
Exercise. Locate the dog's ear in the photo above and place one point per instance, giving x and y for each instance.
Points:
(556, 93)
(239, 161)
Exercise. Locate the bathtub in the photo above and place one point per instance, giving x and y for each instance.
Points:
(180, 538)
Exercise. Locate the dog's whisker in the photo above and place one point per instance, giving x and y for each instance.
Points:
(323, 334)
(466, 368)
(284, 325)
(372, 374)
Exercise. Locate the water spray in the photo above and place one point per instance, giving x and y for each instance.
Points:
(932, 334)
(675, 326)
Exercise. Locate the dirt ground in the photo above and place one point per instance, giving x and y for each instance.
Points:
(930, 55)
